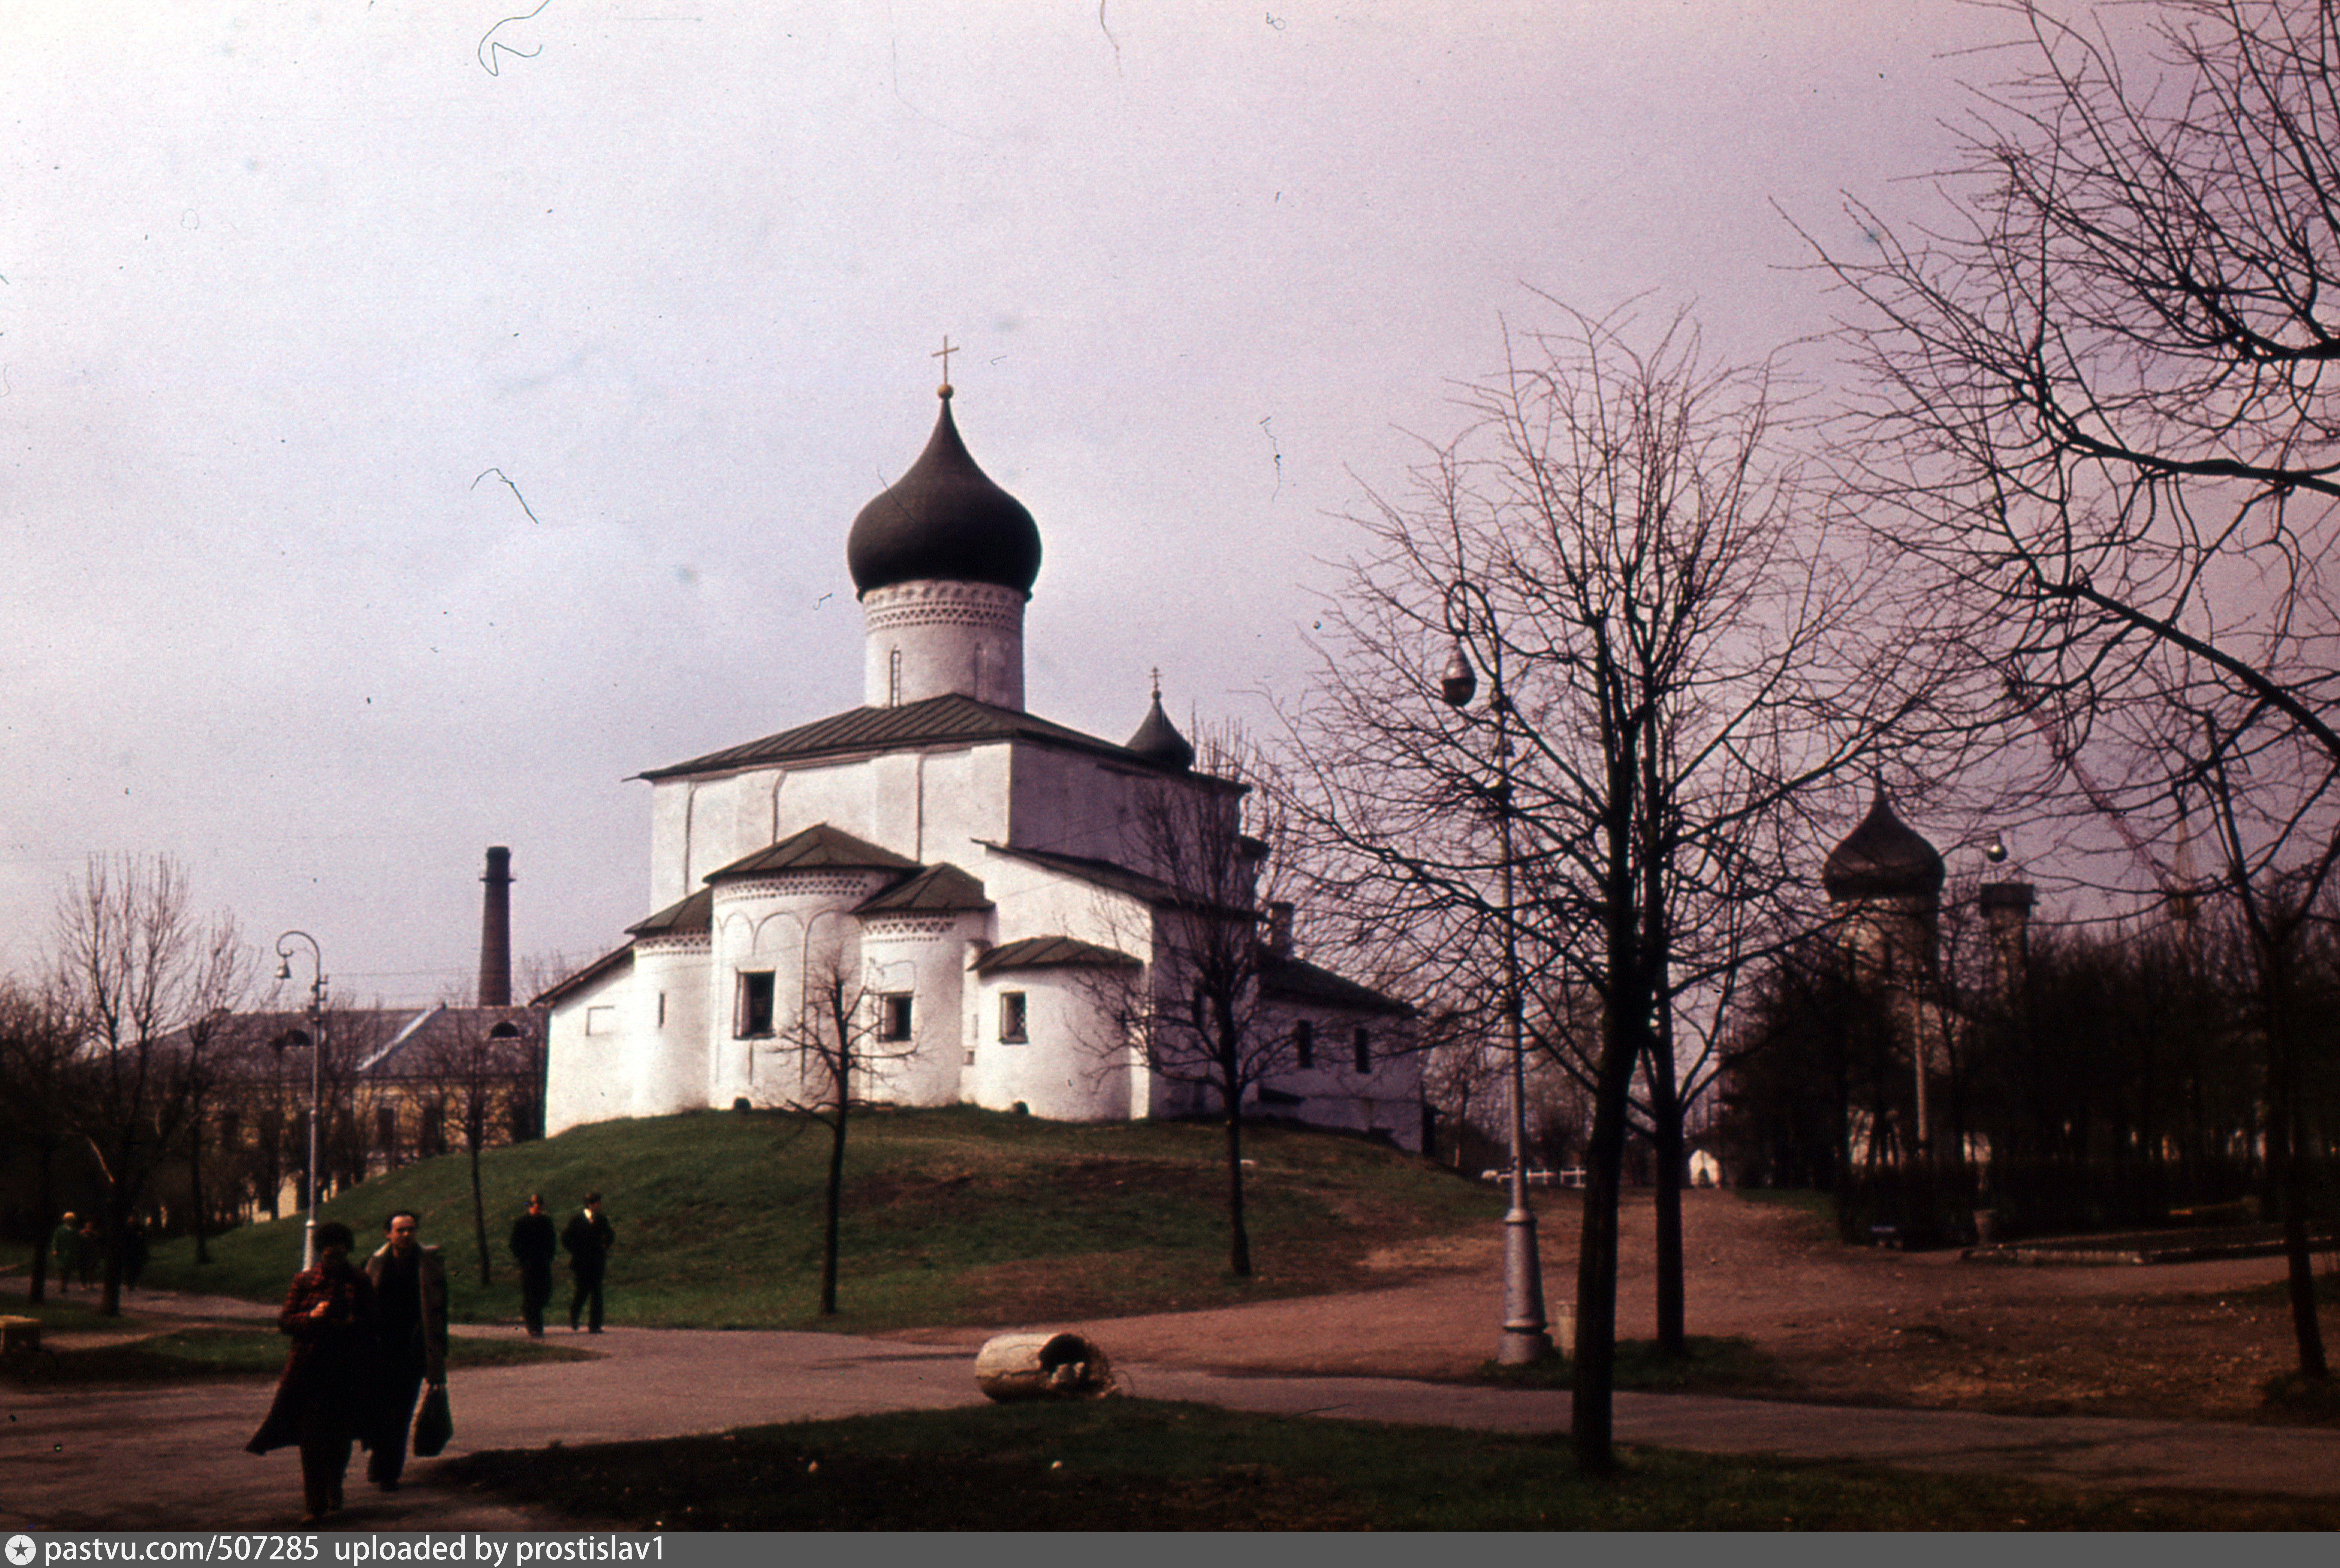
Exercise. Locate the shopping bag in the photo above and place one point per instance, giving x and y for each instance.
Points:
(434, 1425)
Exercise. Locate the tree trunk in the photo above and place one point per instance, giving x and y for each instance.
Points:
(2284, 1141)
(479, 1216)
(1666, 1150)
(44, 1206)
(195, 1185)
(830, 1204)
(1238, 1234)
(112, 1214)
(1590, 1422)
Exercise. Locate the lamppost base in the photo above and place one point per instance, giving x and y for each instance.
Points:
(1522, 1347)
(1524, 1341)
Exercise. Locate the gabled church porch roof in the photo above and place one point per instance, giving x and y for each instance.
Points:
(1050, 953)
(819, 848)
(941, 889)
(951, 719)
(1284, 979)
(608, 963)
(696, 913)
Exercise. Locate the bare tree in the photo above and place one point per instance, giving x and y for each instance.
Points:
(136, 967)
(1198, 1005)
(478, 1062)
(2276, 883)
(214, 1044)
(39, 1090)
(2097, 420)
(840, 1039)
(2096, 424)
(1618, 541)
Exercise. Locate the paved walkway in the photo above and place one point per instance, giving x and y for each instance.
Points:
(172, 1458)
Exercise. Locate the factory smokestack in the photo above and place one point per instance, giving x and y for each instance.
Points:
(495, 932)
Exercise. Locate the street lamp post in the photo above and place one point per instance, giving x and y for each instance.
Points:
(1525, 1337)
(316, 1056)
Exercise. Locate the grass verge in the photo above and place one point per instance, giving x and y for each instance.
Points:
(189, 1354)
(951, 1217)
(1146, 1464)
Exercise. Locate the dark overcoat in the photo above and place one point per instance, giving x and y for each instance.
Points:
(331, 1372)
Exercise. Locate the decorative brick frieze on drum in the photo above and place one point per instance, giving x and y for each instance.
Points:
(879, 928)
(796, 885)
(932, 638)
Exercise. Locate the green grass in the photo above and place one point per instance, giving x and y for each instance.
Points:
(58, 1314)
(951, 1217)
(1143, 1464)
(190, 1354)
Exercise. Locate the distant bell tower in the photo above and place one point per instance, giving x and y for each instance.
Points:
(944, 561)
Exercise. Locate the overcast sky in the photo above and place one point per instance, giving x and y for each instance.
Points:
(417, 423)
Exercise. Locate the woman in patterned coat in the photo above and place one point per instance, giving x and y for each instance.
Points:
(327, 1394)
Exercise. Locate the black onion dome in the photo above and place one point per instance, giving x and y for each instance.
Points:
(1883, 858)
(1158, 740)
(944, 518)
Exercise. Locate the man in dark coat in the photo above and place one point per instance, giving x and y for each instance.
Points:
(588, 1238)
(325, 1400)
(410, 1290)
(534, 1244)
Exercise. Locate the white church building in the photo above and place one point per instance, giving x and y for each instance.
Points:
(988, 886)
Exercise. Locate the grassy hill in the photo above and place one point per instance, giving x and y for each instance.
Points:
(951, 1216)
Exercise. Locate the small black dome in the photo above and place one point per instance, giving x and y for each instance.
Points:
(1883, 858)
(944, 518)
(1158, 740)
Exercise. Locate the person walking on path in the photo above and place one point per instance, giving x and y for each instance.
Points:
(409, 1288)
(92, 1254)
(535, 1245)
(326, 1397)
(587, 1238)
(65, 1252)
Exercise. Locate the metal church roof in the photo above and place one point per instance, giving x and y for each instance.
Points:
(939, 889)
(1049, 953)
(951, 719)
(818, 848)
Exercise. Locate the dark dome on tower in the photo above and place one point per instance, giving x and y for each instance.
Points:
(1884, 858)
(944, 518)
(1158, 740)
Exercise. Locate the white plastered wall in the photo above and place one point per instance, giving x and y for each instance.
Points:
(1072, 1065)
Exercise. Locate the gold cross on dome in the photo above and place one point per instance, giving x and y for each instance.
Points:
(943, 355)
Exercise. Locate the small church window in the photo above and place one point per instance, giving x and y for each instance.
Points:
(893, 679)
(1014, 1018)
(753, 1019)
(894, 1016)
(1364, 1050)
(1303, 1043)
(600, 1020)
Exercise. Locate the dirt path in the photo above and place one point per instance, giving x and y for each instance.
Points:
(1843, 1324)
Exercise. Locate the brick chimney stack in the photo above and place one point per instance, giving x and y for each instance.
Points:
(495, 932)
